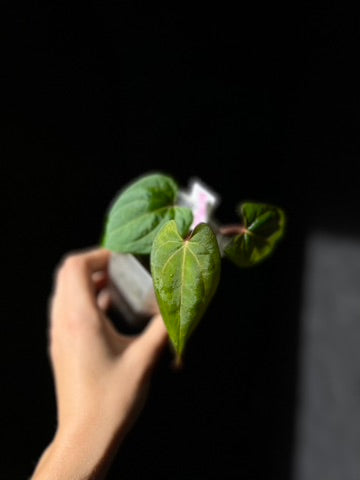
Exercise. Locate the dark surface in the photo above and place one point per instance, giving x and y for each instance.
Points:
(260, 104)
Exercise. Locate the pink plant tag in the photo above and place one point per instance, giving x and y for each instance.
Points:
(201, 200)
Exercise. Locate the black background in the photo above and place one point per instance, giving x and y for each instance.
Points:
(262, 104)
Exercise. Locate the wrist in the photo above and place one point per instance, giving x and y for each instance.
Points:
(82, 452)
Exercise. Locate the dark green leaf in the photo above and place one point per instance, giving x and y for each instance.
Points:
(186, 273)
(140, 211)
(263, 226)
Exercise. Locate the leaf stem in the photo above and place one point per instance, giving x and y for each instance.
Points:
(229, 230)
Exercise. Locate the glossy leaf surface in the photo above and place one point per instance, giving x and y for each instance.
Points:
(263, 226)
(140, 211)
(186, 273)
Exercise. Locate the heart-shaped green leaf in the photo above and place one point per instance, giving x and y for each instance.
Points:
(186, 273)
(263, 226)
(140, 211)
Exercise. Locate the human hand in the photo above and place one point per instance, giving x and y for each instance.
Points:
(101, 376)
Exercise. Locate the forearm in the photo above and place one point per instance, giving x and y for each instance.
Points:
(84, 454)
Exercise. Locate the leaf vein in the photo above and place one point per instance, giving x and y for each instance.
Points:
(151, 212)
(181, 293)
(169, 259)
(200, 268)
(162, 244)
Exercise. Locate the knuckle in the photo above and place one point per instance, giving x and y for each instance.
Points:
(83, 323)
(72, 262)
(74, 330)
(69, 264)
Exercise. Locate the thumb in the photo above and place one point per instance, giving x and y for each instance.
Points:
(151, 341)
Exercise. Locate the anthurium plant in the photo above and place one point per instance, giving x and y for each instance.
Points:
(146, 220)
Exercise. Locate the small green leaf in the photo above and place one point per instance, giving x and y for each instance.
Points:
(186, 273)
(263, 226)
(140, 211)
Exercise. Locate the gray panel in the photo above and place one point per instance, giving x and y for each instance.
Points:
(328, 429)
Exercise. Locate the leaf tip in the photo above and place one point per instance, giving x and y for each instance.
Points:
(178, 363)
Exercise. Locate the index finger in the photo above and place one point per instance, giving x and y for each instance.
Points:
(79, 267)
(93, 259)
(74, 283)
